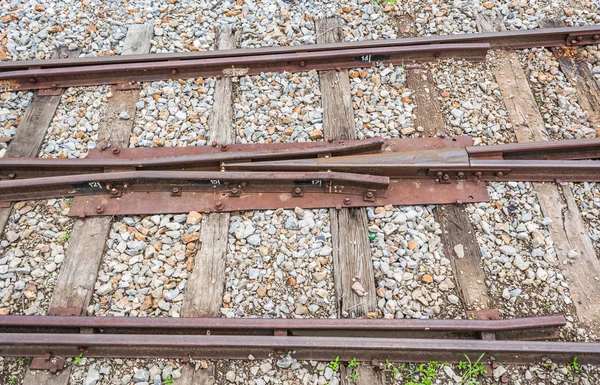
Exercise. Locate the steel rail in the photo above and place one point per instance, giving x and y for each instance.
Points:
(270, 324)
(58, 77)
(178, 176)
(556, 150)
(198, 160)
(322, 348)
(541, 37)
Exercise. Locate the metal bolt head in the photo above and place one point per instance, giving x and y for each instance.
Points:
(347, 201)
(369, 194)
(478, 174)
(302, 63)
(224, 147)
(100, 209)
(579, 38)
(330, 140)
(439, 174)
(214, 143)
(235, 190)
(499, 174)
(116, 151)
(175, 190)
(219, 206)
(461, 174)
(446, 177)
(174, 72)
(596, 37)
(114, 191)
(573, 41)
(297, 190)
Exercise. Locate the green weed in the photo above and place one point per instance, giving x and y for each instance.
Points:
(335, 364)
(78, 359)
(354, 366)
(471, 370)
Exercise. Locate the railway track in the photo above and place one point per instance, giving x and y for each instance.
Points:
(338, 173)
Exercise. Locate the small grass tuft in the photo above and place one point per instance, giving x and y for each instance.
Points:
(78, 359)
(335, 364)
(354, 366)
(471, 370)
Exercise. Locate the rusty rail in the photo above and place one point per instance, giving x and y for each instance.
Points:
(318, 339)
(530, 328)
(349, 173)
(130, 69)
(134, 72)
(540, 37)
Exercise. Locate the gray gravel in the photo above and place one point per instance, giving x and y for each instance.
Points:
(367, 20)
(556, 96)
(173, 113)
(276, 22)
(587, 196)
(522, 270)
(279, 264)
(74, 128)
(12, 370)
(278, 107)
(413, 277)
(472, 103)
(383, 106)
(146, 265)
(32, 250)
(284, 371)
(545, 372)
(36, 28)
(91, 371)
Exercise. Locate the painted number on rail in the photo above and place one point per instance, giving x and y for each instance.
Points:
(95, 184)
(317, 182)
(215, 182)
(366, 58)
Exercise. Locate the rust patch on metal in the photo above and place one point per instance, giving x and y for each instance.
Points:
(399, 192)
(8, 85)
(65, 311)
(48, 362)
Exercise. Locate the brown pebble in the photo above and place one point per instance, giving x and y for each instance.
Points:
(261, 291)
